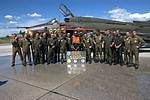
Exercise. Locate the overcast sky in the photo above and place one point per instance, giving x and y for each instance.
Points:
(33, 12)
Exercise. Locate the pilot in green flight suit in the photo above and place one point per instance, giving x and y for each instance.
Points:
(87, 42)
(36, 48)
(136, 42)
(25, 44)
(98, 41)
(51, 46)
(63, 47)
(108, 45)
(31, 40)
(127, 49)
(44, 48)
(15, 49)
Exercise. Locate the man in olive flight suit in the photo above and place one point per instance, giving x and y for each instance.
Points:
(16, 49)
(136, 42)
(81, 35)
(108, 47)
(119, 44)
(51, 46)
(127, 49)
(44, 48)
(25, 44)
(56, 48)
(63, 47)
(113, 47)
(36, 48)
(87, 43)
(69, 41)
(92, 36)
(98, 41)
(31, 40)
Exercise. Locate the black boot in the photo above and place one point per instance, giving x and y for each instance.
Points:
(62, 61)
(30, 64)
(12, 65)
(136, 66)
(129, 65)
(95, 61)
(90, 62)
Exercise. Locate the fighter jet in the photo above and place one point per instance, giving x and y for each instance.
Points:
(46, 27)
(87, 23)
(53, 24)
(72, 23)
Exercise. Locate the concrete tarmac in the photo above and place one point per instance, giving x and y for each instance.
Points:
(78, 82)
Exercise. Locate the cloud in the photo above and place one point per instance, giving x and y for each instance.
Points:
(88, 16)
(12, 17)
(12, 22)
(17, 17)
(8, 17)
(4, 32)
(2, 23)
(34, 22)
(34, 15)
(42, 19)
(120, 14)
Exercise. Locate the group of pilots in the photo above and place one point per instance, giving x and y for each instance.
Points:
(110, 48)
